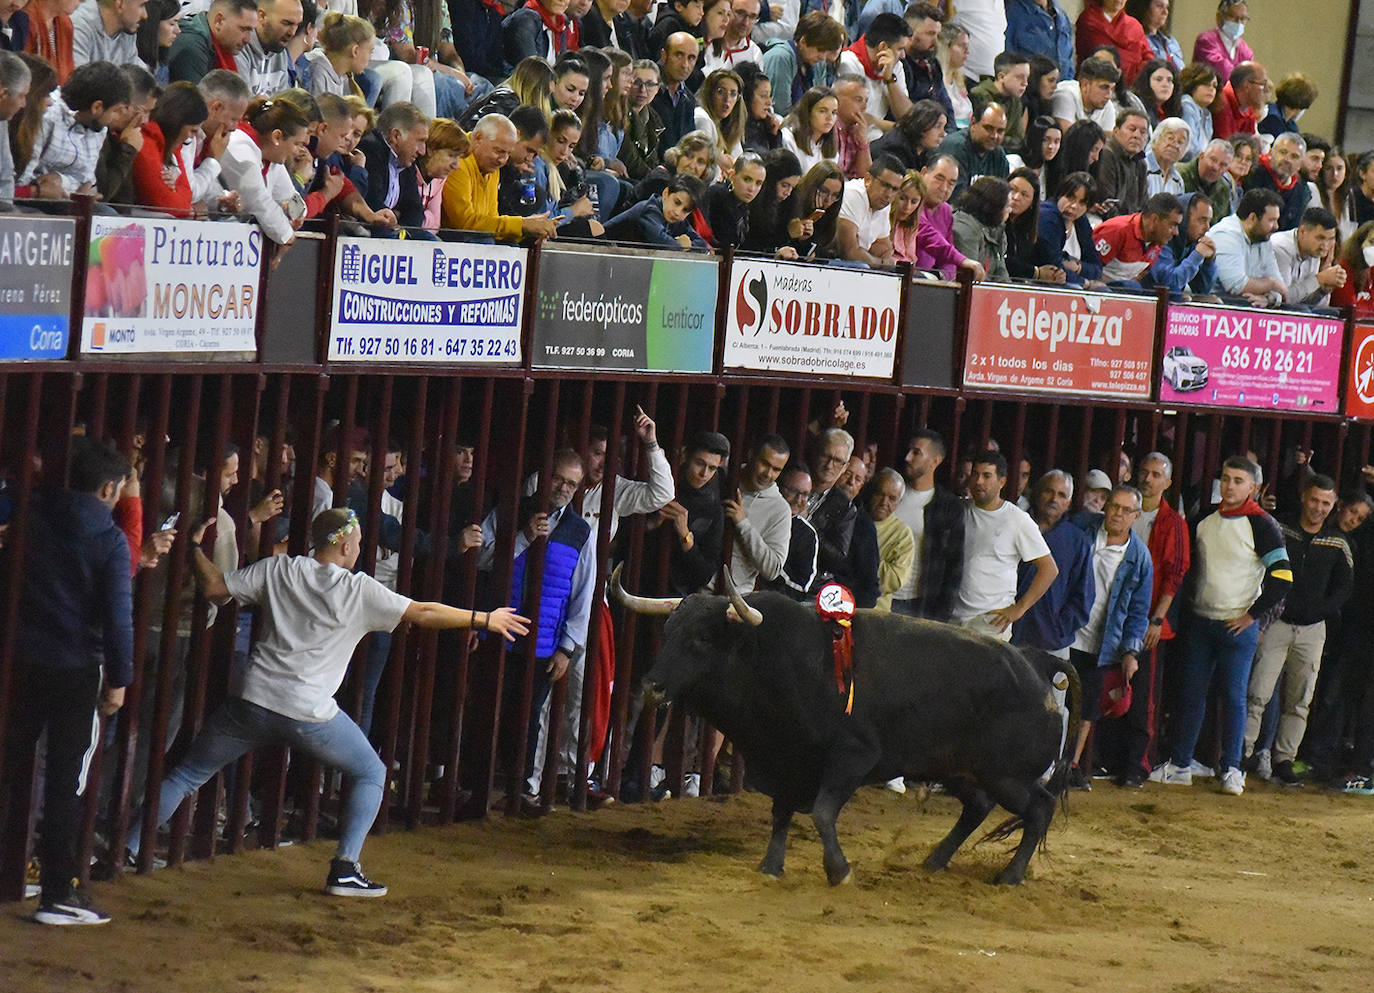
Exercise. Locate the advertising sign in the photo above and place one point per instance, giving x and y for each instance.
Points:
(932, 313)
(638, 313)
(426, 301)
(1227, 357)
(171, 287)
(815, 320)
(1060, 341)
(1359, 387)
(35, 286)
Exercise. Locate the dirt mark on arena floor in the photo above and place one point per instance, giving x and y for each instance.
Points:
(1165, 889)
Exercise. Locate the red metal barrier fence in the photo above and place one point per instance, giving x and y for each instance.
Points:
(579, 336)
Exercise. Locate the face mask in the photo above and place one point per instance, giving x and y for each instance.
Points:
(1233, 29)
(1369, 255)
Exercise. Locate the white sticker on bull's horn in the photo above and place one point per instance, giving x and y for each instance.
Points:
(1060, 681)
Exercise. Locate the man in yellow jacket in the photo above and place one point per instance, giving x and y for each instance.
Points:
(470, 192)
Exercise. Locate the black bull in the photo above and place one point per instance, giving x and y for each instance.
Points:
(931, 702)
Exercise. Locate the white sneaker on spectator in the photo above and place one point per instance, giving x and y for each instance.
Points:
(1264, 765)
(897, 785)
(1233, 782)
(691, 784)
(1172, 775)
(1201, 771)
(656, 775)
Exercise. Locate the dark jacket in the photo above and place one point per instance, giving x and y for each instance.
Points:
(501, 100)
(900, 147)
(75, 593)
(925, 80)
(645, 224)
(478, 40)
(942, 555)
(114, 171)
(848, 553)
(1049, 250)
(192, 55)
(1055, 618)
(688, 569)
(596, 33)
(678, 118)
(1323, 572)
(409, 209)
(727, 217)
(1121, 176)
(639, 150)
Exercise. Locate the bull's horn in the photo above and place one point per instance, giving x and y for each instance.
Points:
(745, 612)
(641, 604)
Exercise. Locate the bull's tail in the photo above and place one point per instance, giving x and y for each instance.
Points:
(1058, 782)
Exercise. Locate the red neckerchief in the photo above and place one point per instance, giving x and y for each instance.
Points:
(566, 34)
(1284, 186)
(730, 53)
(223, 60)
(860, 50)
(1248, 509)
(252, 133)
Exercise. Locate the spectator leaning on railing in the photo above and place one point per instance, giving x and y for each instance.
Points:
(469, 199)
(272, 133)
(14, 90)
(73, 131)
(159, 174)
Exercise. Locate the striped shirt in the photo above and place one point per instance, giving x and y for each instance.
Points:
(64, 146)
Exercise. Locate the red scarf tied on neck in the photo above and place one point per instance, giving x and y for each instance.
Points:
(567, 36)
(1248, 509)
(860, 50)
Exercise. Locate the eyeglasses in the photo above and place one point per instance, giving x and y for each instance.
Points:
(645, 84)
(563, 483)
(744, 16)
(832, 460)
(890, 187)
(791, 495)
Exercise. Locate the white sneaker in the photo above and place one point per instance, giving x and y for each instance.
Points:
(691, 784)
(897, 785)
(1172, 775)
(1264, 765)
(1233, 782)
(656, 776)
(1201, 771)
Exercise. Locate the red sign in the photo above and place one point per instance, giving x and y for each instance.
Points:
(1359, 387)
(1060, 341)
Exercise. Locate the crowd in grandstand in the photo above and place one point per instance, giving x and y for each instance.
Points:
(997, 138)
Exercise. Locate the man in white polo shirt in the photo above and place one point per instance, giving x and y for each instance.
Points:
(998, 537)
(864, 230)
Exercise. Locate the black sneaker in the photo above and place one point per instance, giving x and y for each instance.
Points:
(1283, 773)
(1078, 781)
(1132, 779)
(74, 909)
(346, 879)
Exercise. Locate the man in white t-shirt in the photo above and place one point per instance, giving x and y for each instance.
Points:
(1089, 97)
(864, 229)
(986, 21)
(314, 611)
(876, 59)
(998, 537)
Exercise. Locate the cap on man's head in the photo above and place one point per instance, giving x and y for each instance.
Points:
(1097, 480)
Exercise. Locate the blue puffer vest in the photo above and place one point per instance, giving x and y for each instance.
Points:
(565, 544)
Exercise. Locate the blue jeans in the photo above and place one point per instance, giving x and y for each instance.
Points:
(378, 649)
(1212, 650)
(240, 727)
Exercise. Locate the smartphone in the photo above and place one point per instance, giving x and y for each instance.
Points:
(170, 522)
(817, 214)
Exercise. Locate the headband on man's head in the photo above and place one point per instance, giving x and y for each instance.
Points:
(344, 529)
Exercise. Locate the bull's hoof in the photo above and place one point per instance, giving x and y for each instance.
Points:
(1010, 877)
(935, 862)
(839, 876)
(770, 871)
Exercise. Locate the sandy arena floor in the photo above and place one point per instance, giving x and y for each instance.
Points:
(1164, 889)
